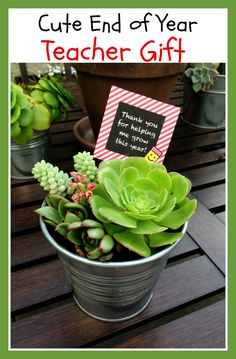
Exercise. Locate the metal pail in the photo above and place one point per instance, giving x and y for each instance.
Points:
(112, 291)
(24, 157)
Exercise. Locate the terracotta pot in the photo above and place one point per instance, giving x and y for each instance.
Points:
(153, 80)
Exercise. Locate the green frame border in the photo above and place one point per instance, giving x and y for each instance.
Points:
(4, 6)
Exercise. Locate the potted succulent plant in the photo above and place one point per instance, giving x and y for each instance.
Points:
(33, 109)
(113, 228)
(204, 95)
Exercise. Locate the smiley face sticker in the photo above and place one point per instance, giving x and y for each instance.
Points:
(153, 155)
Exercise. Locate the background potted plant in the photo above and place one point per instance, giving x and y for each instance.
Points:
(204, 95)
(113, 228)
(33, 109)
(152, 80)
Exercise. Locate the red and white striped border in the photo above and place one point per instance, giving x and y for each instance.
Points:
(118, 95)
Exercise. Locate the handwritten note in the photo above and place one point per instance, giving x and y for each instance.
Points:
(135, 125)
(134, 131)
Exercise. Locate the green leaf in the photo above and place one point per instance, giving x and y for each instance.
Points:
(26, 117)
(111, 228)
(51, 99)
(77, 206)
(146, 184)
(53, 200)
(134, 242)
(197, 87)
(41, 120)
(164, 238)
(113, 191)
(178, 217)
(90, 223)
(50, 223)
(95, 233)
(106, 257)
(37, 95)
(15, 113)
(44, 84)
(118, 217)
(74, 236)
(180, 187)
(147, 227)
(71, 217)
(115, 164)
(21, 99)
(160, 166)
(64, 103)
(13, 97)
(94, 254)
(62, 229)
(141, 164)
(106, 244)
(128, 176)
(141, 216)
(108, 172)
(49, 213)
(165, 210)
(25, 135)
(56, 114)
(75, 225)
(161, 178)
(97, 202)
(62, 210)
(15, 130)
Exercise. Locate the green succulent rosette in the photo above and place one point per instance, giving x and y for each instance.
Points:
(141, 204)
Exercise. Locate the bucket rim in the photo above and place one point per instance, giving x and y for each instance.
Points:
(89, 262)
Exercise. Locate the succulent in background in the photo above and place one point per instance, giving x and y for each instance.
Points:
(202, 75)
(135, 205)
(33, 108)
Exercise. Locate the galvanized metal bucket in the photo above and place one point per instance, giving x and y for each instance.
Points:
(111, 291)
(24, 157)
(205, 109)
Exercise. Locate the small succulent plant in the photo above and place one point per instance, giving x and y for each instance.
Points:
(135, 205)
(33, 108)
(202, 75)
(84, 163)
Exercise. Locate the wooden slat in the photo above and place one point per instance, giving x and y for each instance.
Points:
(209, 233)
(194, 158)
(24, 218)
(33, 285)
(211, 197)
(27, 194)
(184, 130)
(202, 329)
(30, 247)
(205, 175)
(67, 327)
(195, 142)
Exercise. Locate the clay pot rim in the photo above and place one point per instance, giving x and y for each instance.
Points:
(130, 70)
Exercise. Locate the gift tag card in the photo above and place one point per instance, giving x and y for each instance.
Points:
(135, 126)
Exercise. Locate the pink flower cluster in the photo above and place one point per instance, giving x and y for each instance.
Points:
(81, 188)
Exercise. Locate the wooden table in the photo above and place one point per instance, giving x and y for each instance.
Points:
(188, 307)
